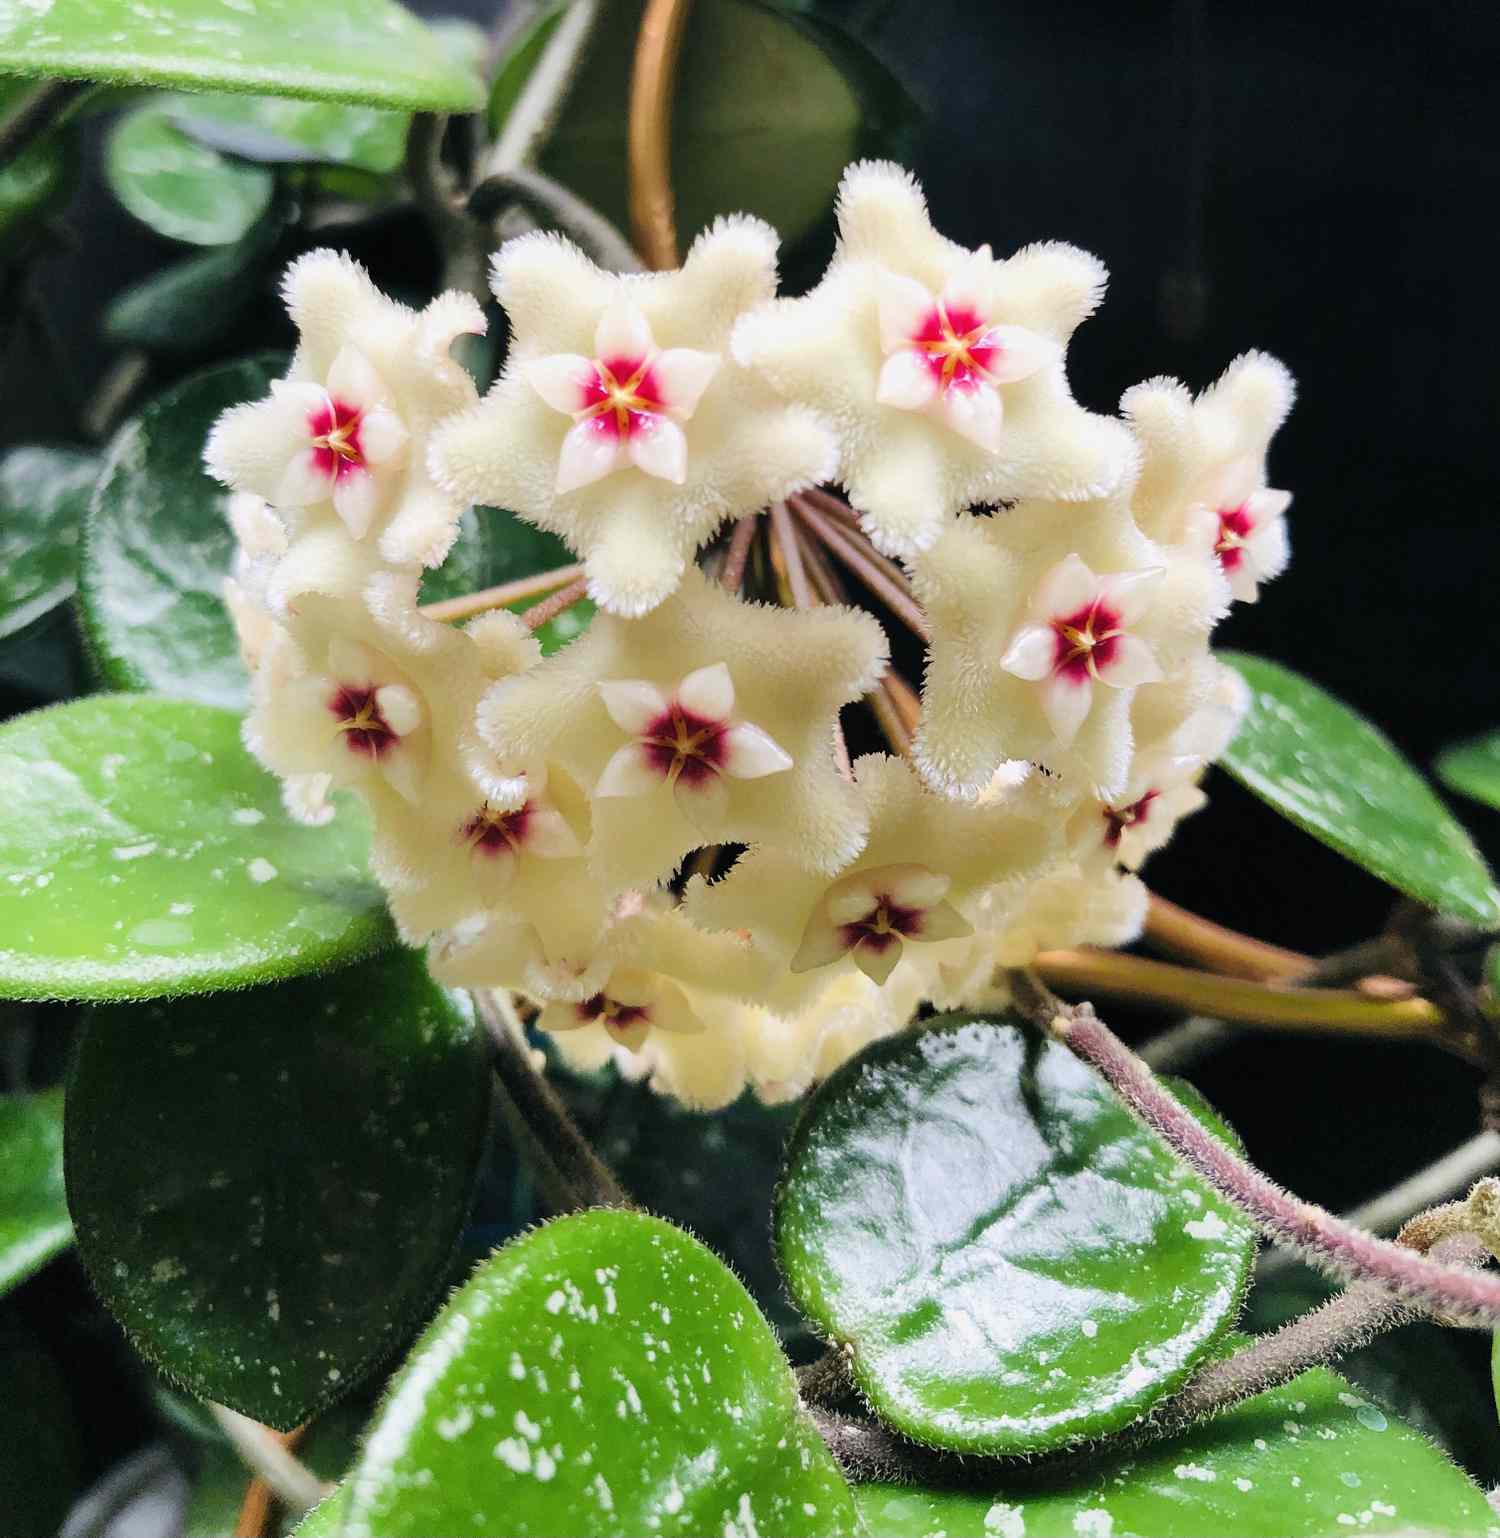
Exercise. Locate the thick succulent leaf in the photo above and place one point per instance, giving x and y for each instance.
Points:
(157, 546)
(41, 1459)
(1012, 1260)
(147, 854)
(602, 1375)
(371, 51)
(43, 495)
(1473, 769)
(1333, 773)
(268, 1186)
(1307, 1460)
(180, 188)
(34, 1224)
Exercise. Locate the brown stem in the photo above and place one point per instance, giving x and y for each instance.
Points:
(791, 553)
(549, 608)
(467, 605)
(737, 555)
(871, 567)
(649, 131)
(1188, 937)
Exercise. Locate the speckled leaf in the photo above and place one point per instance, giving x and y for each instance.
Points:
(1308, 1460)
(147, 854)
(157, 546)
(43, 494)
(328, 1519)
(342, 50)
(34, 1223)
(605, 1374)
(1473, 769)
(1333, 773)
(268, 1186)
(1014, 1261)
(180, 188)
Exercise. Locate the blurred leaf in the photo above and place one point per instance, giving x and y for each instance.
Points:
(350, 50)
(268, 1187)
(118, 890)
(602, 1375)
(1307, 1460)
(39, 178)
(41, 1466)
(328, 1519)
(180, 188)
(515, 69)
(34, 1223)
(1331, 772)
(1013, 1261)
(1473, 769)
(41, 664)
(276, 130)
(43, 495)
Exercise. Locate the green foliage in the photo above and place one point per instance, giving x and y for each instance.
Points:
(36, 180)
(268, 1190)
(40, 1458)
(34, 1224)
(1304, 1461)
(1333, 773)
(1014, 1262)
(604, 1374)
(371, 51)
(119, 890)
(43, 495)
(275, 130)
(1473, 769)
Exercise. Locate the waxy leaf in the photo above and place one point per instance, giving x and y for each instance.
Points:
(1308, 1460)
(34, 1224)
(371, 51)
(605, 1374)
(43, 495)
(268, 1189)
(147, 854)
(1013, 1261)
(180, 188)
(1473, 769)
(1340, 778)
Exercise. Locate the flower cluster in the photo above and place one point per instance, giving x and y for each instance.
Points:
(655, 837)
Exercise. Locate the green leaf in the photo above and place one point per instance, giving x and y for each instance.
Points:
(157, 546)
(41, 1464)
(371, 51)
(180, 188)
(328, 1519)
(523, 56)
(602, 1375)
(1013, 1260)
(1307, 1460)
(36, 180)
(1334, 774)
(147, 854)
(34, 1223)
(43, 494)
(276, 130)
(764, 120)
(1473, 769)
(268, 1188)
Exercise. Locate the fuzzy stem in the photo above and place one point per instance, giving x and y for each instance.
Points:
(268, 1454)
(737, 555)
(549, 608)
(867, 564)
(866, 1451)
(470, 604)
(1330, 1243)
(825, 1382)
(584, 1176)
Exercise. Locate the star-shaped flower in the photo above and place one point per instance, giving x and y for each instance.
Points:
(344, 433)
(620, 421)
(1161, 791)
(1092, 904)
(1203, 475)
(941, 369)
(707, 721)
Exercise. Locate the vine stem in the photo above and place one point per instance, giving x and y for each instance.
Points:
(737, 555)
(867, 563)
(268, 1455)
(653, 83)
(1190, 937)
(469, 604)
(1329, 1242)
(548, 609)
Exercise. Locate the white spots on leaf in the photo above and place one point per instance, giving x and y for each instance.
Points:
(514, 1454)
(527, 1427)
(555, 1301)
(1194, 1471)
(1244, 1486)
(450, 1427)
(1090, 1328)
(247, 816)
(1003, 1520)
(672, 1501)
(1209, 1226)
(134, 851)
(517, 1366)
(1094, 1524)
(260, 871)
(168, 1269)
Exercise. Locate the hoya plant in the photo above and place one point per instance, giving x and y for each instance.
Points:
(563, 902)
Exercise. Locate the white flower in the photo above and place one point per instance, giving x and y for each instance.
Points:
(1076, 905)
(630, 1004)
(1203, 476)
(345, 431)
(620, 422)
(1161, 791)
(940, 368)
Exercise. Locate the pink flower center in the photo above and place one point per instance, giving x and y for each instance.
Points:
(335, 439)
(883, 926)
(1118, 818)
(682, 745)
(1086, 641)
(357, 712)
(488, 831)
(623, 398)
(616, 1018)
(955, 344)
(1235, 527)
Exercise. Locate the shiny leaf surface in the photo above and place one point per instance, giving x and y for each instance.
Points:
(118, 890)
(34, 1223)
(43, 495)
(1333, 773)
(268, 1187)
(605, 1374)
(1014, 1261)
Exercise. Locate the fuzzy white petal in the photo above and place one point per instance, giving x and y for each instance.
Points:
(382, 435)
(355, 498)
(1067, 587)
(622, 333)
(1130, 593)
(1031, 653)
(1133, 663)
(974, 413)
(1065, 703)
(629, 772)
(352, 379)
(562, 380)
(704, 802)
(708, 691)
(752, 754)
(589, 452)
(906, 381)
(1023, 352)
(401, 708)
(658, 447)
(877, 963)
(302, 483)
(903, 306)
(632, 703)
(682, 374)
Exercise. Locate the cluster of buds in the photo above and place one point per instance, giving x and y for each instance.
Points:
(655, 838)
